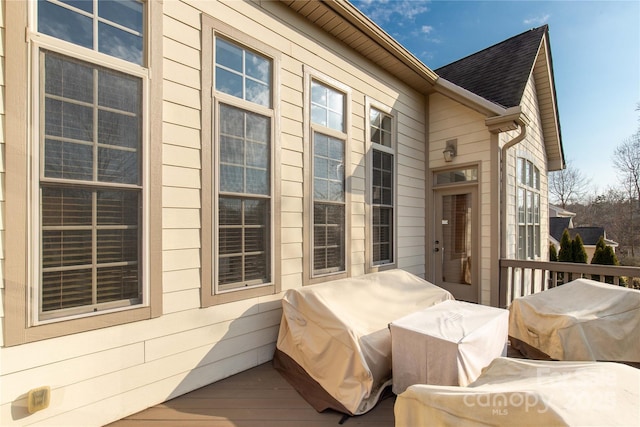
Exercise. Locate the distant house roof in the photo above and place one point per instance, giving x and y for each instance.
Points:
(557, 226)
(589, 235)
(498, 73)
(561, 212)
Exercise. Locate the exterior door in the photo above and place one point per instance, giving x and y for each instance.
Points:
(455, 245)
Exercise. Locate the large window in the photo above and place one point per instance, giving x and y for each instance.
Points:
(90, 160)
(528, 205)
(382, 186)
(92, 255)
(240, 233)
(244, 132)
(328, 133)
(90, 187)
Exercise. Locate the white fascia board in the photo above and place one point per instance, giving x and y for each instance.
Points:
(468, 98)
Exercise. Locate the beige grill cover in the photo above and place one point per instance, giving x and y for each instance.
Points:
(515, 392)
(581, 320)
(338, 331)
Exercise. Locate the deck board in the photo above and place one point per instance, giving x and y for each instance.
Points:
(256, 397)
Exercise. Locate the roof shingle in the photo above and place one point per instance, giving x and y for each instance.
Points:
(498, 73)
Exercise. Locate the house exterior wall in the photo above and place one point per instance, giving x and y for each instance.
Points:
(531, 148)
(448, 119)
(102, 375)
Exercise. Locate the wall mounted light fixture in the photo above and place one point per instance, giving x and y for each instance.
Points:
(450, 150)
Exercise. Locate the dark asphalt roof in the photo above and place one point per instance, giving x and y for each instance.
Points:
(589, 235)
(498, 73)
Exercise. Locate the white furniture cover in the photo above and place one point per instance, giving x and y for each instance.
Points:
(580, 320)
(337, 331)
(447, 344)
(517, 392)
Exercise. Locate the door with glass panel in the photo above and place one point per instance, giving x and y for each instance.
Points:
(455, 245)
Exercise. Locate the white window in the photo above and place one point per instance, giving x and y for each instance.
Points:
(90, 157)
(382, 186)
(244, 132)
(528, 205)
(329, 205)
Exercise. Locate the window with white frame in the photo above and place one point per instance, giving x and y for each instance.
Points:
(329, 205)
(243, 82)
(528, 205)
(382, 186)
(90, 156)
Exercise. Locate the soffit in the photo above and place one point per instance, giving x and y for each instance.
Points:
(347, 24)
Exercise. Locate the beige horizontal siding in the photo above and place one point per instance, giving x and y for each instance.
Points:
(210, 335)
(178, 72)
(181, 115)
(180, 239)
(41, 353)
(179, 259)
(71, 371)
(179, 280)
(290, 204)
(178, 135)
(180, 218)
(181, 94)
(180, 197)
(180, 32)
(183, 13)
(174, 176)
(183, 300)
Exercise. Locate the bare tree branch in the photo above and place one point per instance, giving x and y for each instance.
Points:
(568, 185)
(626, 159)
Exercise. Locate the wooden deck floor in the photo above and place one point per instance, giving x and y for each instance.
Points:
(257, 397)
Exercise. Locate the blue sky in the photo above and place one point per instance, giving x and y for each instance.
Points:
(596, 57)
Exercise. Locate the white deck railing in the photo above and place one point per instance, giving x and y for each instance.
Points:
(519, 278)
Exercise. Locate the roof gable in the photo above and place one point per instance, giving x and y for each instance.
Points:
(557, 225)
(498, 73)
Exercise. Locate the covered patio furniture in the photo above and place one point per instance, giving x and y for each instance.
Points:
(517, 392)
(580, 320)
(334, 344)
(447, 344)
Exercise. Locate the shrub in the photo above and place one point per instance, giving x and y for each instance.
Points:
(604, 255)
(577, 249)
(566, 248)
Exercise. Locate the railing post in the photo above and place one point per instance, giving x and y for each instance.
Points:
(514, 274)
